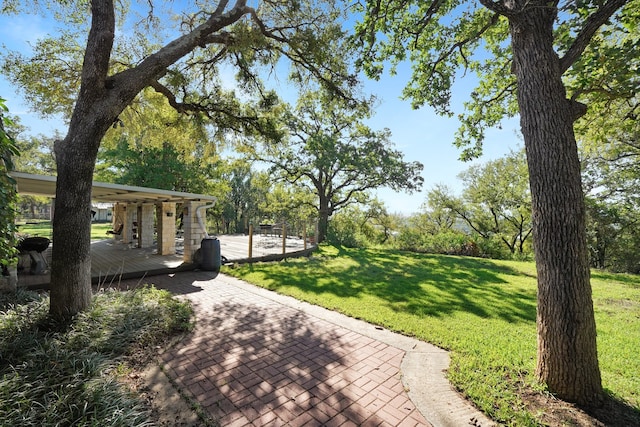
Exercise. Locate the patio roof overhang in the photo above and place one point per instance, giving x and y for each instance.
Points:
(43, 185)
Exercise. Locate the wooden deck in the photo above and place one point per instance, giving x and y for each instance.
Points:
(112, 260)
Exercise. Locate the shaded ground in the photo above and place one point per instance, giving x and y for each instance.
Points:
(555, 412)
(170, 408)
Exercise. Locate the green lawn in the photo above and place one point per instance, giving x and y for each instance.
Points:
(484, 311)
(43, 228)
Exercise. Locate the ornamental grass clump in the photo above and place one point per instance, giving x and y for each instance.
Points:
(52, 374)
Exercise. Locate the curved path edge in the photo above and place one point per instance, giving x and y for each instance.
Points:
(423, 366)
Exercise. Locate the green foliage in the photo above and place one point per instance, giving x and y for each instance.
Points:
(612, 235)
(448, 242)
(306, 35)
(37, 154)
(440, 39)
(37, 157)
(495, 204)
(446, 40)
(606, 75)
(359, 227)
(8, 196)
(483, 311)
(611, 175)
(68, 377)
(152, 145)
(49, 80)
(161, 167)
(497, 194)
(330, 153)
(245, 198)
(345, 229)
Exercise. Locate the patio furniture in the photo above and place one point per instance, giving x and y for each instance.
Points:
(34, 247)
(117, 231)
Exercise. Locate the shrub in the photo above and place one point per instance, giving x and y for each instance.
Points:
(449, 242)
(345, 230)
(8, 194)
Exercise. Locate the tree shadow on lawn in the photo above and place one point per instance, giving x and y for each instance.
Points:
(416, 284)
(614, 412)
(627, 279)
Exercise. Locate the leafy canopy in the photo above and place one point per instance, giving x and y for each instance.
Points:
(329, 151)
(218, 83)
(445, 40)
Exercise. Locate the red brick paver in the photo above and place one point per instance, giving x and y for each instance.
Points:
(253, 361)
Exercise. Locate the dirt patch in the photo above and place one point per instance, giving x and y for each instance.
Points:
(554, 412)
(168, 407)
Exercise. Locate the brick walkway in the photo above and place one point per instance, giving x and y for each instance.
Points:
(253, 361)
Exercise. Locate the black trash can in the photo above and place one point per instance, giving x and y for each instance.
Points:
(210, 253)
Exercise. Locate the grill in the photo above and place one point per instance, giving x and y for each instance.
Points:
(38, 244)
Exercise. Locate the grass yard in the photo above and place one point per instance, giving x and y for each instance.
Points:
(483, 311)
(44, 229)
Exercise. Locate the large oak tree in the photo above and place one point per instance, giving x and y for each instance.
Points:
(329, 152)
(125, 54)
(523, 52)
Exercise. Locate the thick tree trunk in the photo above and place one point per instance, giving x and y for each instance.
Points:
(101, 99)
(76, 155)
(71, 252)
(323, 225)
(567, 356)
(323, 218)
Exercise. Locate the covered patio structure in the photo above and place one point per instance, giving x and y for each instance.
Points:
(144, 240)
(139, 213)
(143, 218)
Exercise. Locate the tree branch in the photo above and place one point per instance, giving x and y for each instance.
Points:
(133, 80)
(499, 7)
(263, 28)
(473, 37)
(95, 67)
(460, 44)
(591, 25)
(207, 110)
(434, 7)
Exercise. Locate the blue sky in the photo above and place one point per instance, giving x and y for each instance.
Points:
(420, 134)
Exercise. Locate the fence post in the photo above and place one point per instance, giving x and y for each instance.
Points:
(304, 236)
(284, 238)
(250, 241)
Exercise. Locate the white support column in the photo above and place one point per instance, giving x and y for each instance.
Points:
(129, 215)
(193, 234)
(145, 225)
(166, 216)
(119, 214)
